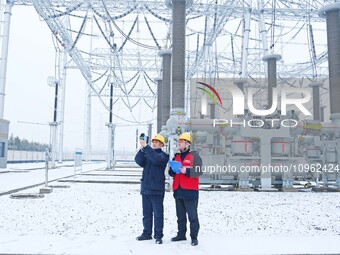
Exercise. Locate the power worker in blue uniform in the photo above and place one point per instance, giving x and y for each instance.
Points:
(185, 187)
(154, 161)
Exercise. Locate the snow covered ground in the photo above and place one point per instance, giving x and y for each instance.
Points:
(90, 218)
(23, 175)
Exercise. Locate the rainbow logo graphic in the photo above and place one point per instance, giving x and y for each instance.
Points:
(211, 92)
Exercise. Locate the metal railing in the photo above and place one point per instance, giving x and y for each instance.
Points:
(22, 156)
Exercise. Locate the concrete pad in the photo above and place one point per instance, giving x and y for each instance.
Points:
(45, 190)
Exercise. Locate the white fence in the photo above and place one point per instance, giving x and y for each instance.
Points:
(15, 156)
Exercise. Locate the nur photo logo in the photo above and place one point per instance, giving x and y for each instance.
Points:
(282, 98)
(212, 93)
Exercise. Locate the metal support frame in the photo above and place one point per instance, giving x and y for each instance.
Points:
(62, 106)
(4, 54)
(246, 32)
(88, 114)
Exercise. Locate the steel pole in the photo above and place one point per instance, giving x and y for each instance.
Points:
(4, 54)
(62, 109)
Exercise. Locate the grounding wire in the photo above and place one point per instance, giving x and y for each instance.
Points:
(91, 85)
(74, 31)
(146, 74)
(114, 17)
(148, 85)
(137, 102)
(133, 77)
(100, 77)
(128, 36)
(82, 27)
(148, 104)
(153, 36)
(103, 33)
(134, 85)
(123, 34)
(105, 83)
(74, 8)
(121, 74)
(156, 15)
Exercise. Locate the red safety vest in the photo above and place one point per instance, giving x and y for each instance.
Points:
(181, 179)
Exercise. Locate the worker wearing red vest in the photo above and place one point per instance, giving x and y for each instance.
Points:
(185, 186)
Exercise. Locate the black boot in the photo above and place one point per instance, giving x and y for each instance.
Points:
(178, 238)
(143, 237)
(159, 241)
(194, 241)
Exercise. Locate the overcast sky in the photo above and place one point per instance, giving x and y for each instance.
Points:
(31, 60)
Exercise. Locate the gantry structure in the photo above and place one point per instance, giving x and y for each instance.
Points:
(115, 44)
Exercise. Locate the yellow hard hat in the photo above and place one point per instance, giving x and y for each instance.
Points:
(186, 137)
(159, 137)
